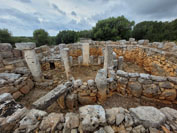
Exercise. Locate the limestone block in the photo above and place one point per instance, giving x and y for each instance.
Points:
(50, 97)
(85, 54)
(151, 90)
(148, 116)
(71, 101)
(5, 97)
(101, 83)
(17, 53)
(17, 95)
(51, 121)
(166, 85)
(169, 94)
(4, 47)
(25, 46)
(71, 120)
(85, 100)
(91, 117)
(135, 88)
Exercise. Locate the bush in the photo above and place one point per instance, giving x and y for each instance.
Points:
(5, 36)
(66, 37)
(41, 37)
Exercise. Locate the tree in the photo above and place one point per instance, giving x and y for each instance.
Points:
(5, 36)
(85, 34)
(41, 37)
(113, 29)
(66, 37)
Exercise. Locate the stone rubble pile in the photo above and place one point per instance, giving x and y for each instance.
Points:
(90, 118)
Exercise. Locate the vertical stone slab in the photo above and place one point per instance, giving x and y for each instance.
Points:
(31, 59)
(85, 54)
(108, 57)
(65, 58)
(101, 83)
(120, 62)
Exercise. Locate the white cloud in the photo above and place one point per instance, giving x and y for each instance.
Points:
(22, 17)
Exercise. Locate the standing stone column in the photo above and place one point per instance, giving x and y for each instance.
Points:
(85, 53)
(65, 58)
(31, 59)
(120, 62)
(108, 57)
(101, 83)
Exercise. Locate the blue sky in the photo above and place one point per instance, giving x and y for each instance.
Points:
(22, 17)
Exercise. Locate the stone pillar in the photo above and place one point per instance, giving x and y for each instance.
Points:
(120, 62)
(108, 57)
(85, 54)
(65, 58)
(101, 83)
(31, 59)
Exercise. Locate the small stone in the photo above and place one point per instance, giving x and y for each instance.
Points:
(25, 89)
(173, 79)
(135, 88)
(77, 83)
(153, 130)
(158, 78)
(51, 121)
(74, 131)
(169, 94)
(122, 73)
(144, 76)
(108, 129)
(71, 120)
(166, 85)
(5, 97)
(101, 130)
(111, 114)
(17, 94)
(119, 119)
(139, 129)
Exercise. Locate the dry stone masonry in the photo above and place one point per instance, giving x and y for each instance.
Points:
(61, 102)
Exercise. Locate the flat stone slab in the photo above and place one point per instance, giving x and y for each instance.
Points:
(25, 46)
(5, 96)
(50, 97)
(10, 77)
(148, 116)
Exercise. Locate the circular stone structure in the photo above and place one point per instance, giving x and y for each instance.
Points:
(58, 88)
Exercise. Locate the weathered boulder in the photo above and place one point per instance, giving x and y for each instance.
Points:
(111, 114)
(91, 117)
(135, 88)
(5, 47)
(119, 118)
(151, 90)
(51, 121)
(148, 116)
(108, 129)
(77, 83)
(71, 121)
(171, 115)
(169, 94)
(30, 121)
(166, 85)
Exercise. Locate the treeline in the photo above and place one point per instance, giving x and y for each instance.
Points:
(107, 29)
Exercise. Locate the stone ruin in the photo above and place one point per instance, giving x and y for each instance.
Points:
(74, 88)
